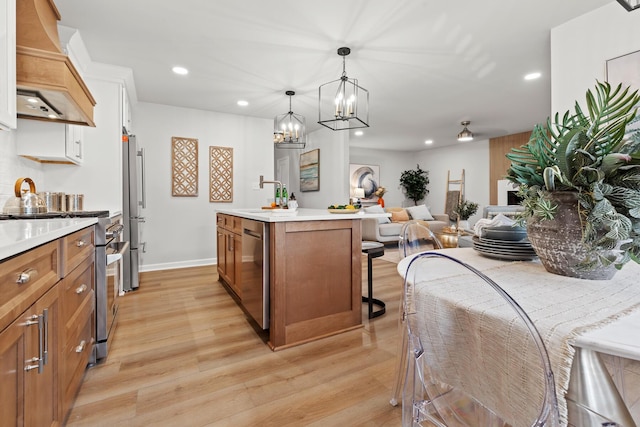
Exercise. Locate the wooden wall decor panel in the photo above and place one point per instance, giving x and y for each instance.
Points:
(498, 162)
(184, 167)
(220, 174)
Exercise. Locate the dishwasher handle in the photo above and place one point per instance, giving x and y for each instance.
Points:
(253, 234)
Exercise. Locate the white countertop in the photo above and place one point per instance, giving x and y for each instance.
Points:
(19, 235)
(301, 214)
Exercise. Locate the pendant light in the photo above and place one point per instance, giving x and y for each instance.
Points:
(342, 103)
(630, 4)
(289, 129)
(465, 134)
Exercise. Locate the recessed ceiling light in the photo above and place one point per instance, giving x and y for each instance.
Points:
(32, 100)
(243, 103)
(180, 70)
(429, 141)
(532, 76)
(358, 133)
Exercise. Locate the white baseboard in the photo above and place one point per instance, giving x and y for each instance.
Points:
(181, 264)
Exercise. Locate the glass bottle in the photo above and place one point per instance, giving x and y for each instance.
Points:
(278, 195)
(285, 195)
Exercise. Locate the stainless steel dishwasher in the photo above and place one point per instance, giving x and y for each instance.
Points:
(255, 271)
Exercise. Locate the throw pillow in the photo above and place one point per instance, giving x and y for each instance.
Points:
(400, 216)
(378, 209)
(420, 212)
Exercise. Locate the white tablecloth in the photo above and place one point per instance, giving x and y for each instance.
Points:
(561, 307)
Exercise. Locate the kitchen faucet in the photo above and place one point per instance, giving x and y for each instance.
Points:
(278, 183)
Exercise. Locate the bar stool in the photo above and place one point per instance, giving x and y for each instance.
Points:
(373, 250)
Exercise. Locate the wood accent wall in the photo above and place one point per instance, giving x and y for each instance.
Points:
(498, 163)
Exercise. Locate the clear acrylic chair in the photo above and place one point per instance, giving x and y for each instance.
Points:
(414, 238)
(461, 371)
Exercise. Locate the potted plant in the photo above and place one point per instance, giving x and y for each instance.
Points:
(464, 210)
(414, 184)
(580, 182)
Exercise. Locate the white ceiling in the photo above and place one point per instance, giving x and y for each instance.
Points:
(428, 64)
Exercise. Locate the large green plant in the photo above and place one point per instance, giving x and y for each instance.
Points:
(414, 184)
(590, 152)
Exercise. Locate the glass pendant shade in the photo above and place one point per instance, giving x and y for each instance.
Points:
(289, 129)
(342, 103)
(465, 134)
(630, 4)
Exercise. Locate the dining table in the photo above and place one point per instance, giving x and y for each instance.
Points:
(600, 317)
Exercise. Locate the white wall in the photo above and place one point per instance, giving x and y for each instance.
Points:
(13, 167)
(392, 164)
(581, 47)
(473, 157)
(180, 231)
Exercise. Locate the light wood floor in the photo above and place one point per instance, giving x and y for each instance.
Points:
(185, 355)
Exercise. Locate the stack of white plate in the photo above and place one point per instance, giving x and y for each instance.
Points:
(504, 242)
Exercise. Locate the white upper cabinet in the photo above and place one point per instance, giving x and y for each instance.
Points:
(8, 64)
(47, 142)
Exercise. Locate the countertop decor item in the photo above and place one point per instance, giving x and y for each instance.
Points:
(25, 202)
(580, 182)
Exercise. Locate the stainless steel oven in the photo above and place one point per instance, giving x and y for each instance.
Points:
(110, 250)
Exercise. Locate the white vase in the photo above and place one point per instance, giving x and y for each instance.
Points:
(463, 225)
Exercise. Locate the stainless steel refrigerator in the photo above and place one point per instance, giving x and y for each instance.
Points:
(134, 200)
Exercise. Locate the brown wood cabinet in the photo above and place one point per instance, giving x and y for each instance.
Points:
(29, 346)
(46, 329)
(77, 327)
(229, 253)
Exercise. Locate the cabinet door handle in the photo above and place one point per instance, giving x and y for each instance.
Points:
(26, 276)
(45, 340)
(33, 320)
(80, 289)
(29, 366)
(80, 243)
(80, 347)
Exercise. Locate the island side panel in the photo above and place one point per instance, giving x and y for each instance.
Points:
(316, 280)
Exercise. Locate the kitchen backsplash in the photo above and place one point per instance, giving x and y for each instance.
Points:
(13, 167)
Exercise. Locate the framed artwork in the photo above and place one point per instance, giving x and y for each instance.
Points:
(220, 174)
(366, 177)
(625, 69)
(184, 167)
(310, 170)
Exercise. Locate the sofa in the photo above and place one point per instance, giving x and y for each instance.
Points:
(385, 230)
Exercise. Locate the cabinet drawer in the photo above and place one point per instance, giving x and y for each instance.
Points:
(77, 287)
(220, 220)
(75, 358)
(25, 278)
(236, 225)
(76, 248)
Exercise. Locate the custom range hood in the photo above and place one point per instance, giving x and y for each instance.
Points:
(48, 85)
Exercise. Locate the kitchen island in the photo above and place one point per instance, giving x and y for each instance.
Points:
(312, 265)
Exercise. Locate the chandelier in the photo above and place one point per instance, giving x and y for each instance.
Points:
(630, 4)
(465, 134)
(342, 103)
(289, 129)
